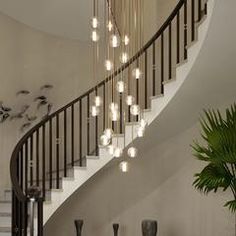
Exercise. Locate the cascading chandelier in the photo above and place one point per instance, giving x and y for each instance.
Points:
(122, 40)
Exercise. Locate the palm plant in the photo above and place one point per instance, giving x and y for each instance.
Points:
(219, 153)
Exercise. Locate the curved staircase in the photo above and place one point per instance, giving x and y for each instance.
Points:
(62, 152)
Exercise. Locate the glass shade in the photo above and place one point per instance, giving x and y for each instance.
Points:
(109, 26)
(124, 166)
(137, 73)
(117, 152)
(94, 110)
(108, 132)
(114, 41)
(95, 36)
(108, 65)
(98, 101)
(124, 57)
(120, 86)
(126, 40)
(94, 23)
(132, 152)
(135, 110)
(104, 140)
(129, 100)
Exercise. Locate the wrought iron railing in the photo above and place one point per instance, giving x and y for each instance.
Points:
(63, 139)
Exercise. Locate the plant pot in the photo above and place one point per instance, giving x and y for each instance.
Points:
(115, 229)
(149, 228)
(78, 226)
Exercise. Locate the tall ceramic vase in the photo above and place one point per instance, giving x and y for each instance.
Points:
(149, 228)
(115, 229)
(78, 226)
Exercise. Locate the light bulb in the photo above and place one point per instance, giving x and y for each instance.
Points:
(111, 149)
(108, 132)
(114, 115)
(108, 65)
(113, 106)
(137, 74)
(94, 110)
(135, 110)
(104, 140)
(117, 152)
(114, 41)
(98, 101)
(140, 131)
(143, 123)
(124, 57)
(95, 36)
(126, 40)
(132, 152)
(129, 100)
(94, 22)
(110, 26)
(124, 166)
(120, 86)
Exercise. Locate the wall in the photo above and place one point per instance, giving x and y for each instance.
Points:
(158, 186)
(28, 60)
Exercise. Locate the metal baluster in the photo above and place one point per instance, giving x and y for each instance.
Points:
(43, 161)
(154, 68)
(88, 124)
(80, 133)
(65, 143)
(193, 19)
(37, 157)
(178, 38)
(185, 31)
(145, 73)
(50, 153)
(170, 51)
(162, 63)
(72, 135)
(57, 153)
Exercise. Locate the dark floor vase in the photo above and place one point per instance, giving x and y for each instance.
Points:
(149, 228)
(115, 229)
(78, 226)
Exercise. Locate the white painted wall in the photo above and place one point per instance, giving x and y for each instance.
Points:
(28, 60)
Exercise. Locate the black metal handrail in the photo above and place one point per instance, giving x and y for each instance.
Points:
(41, 135)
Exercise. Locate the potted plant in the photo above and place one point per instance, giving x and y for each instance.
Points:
(219, 153)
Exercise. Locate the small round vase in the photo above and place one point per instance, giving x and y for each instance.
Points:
(115, 229)
(78, 226)
(149, 228)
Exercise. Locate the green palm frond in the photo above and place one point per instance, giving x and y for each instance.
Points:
(219, 151)
(231, 205)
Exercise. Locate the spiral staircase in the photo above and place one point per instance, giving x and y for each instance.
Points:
(62, 152)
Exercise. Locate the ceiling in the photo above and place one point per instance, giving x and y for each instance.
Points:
(66, 18)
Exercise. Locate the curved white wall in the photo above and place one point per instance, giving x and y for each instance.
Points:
(28, 60)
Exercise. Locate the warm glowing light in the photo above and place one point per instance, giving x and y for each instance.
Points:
(111, 149)
(95, 36)
(129, 100)
(135, 110)
(94, 111)
(98, 101)
(126, 40)
(94, 22)
(117, 152)
(113, 106)
(132, 152)
(120, 86)
(143, 123)
(140, 131)
(104, 140)
(137, 74)
(108, 132)
(124, 57)
(110, 26)
(108, 65)
(114, 41)
(124, 166)
(114, 115)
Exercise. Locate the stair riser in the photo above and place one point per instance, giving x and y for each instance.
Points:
(5, 221)
(5, 207)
